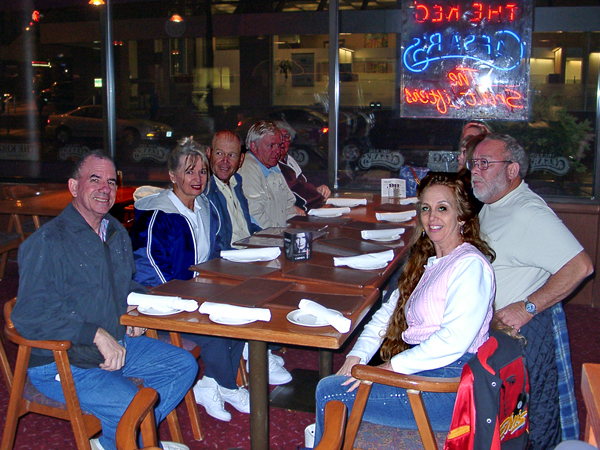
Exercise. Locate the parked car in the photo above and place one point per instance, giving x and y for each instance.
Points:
(60, 95)
(87, 122)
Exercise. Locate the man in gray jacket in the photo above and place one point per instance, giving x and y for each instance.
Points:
(75, 274)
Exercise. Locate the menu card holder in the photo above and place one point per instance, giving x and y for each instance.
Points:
(346, 304)
(253, 292)
(334, 275)
(234, 270)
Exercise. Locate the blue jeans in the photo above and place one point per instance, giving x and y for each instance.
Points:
(389, 405)
(221, 357)
(168, 369)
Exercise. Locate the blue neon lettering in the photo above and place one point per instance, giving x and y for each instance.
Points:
(484, 49)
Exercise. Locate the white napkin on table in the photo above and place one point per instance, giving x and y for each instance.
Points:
(367, 260)
(381, 234)
(406, 215)
(349, 202)
(408, 200)
(161, 302)
(251, 254)
(328, 212)
(235, 312)
(340, 323)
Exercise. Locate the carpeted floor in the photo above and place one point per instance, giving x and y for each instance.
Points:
(286, 427)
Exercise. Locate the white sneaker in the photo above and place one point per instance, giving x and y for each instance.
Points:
(95, 444)
(168, 445)
(238, 398)
(277, 373)
(277, 358)
(207, 394)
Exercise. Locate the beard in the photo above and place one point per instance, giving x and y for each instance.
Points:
(487, 190)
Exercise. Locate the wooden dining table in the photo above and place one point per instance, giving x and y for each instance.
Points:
(215, 277)
(50, 204)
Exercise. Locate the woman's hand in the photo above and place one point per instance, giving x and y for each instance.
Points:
(346, 370)
(350, 362)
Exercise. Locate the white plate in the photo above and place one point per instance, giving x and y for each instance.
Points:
(230, 320)
(346, 204)
(388, 239)
(149, 311)
(398, 220)
(304, 319)
(364, 267)
(337, 214)
(254, 259)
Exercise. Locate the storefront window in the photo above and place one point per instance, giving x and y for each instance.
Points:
(193, 79)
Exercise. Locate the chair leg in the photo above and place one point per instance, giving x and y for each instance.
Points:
(190, 400)
(422, 419)
(242, 375)
(73, 407)
(16, 395)
(3, 263)
(360, 402)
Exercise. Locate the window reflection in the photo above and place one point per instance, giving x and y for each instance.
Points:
(194, 85)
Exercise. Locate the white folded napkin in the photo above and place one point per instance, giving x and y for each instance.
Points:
(406, 215)
(366, 261)
(340, 323)
(251, 254)
(408, 200)
(161, 302)
(235, 312)
(328, 212)
(381, 234)
(349, 202)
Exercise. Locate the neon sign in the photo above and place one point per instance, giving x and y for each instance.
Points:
(466, 59)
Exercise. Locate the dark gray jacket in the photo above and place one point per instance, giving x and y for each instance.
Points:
(71, 283)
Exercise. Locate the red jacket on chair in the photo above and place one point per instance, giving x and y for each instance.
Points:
(491, 405)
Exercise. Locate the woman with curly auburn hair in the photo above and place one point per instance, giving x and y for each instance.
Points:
(437, 318)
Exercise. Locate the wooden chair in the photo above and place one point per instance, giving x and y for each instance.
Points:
(24, 398)
(590, 388)
(414, 386)
(139, 415)
(8, 242)
(335, 424)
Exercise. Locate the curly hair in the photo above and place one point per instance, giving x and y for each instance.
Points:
(422, 249)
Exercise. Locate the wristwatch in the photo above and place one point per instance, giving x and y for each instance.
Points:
(530, 307)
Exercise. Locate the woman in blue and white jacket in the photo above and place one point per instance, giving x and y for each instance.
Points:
(174, 230)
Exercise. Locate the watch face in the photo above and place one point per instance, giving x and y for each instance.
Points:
(530, 308)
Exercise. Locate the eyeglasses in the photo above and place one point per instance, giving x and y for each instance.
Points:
(286, 137)
(483, 164)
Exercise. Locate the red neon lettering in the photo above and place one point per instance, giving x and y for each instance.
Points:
(453, 79)
(513, 96)
(510, 7)
(495, 12)
(438, 14)
(477, 13)
(473, 101)
(424, 10)
(423, 96)
(453, 14)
